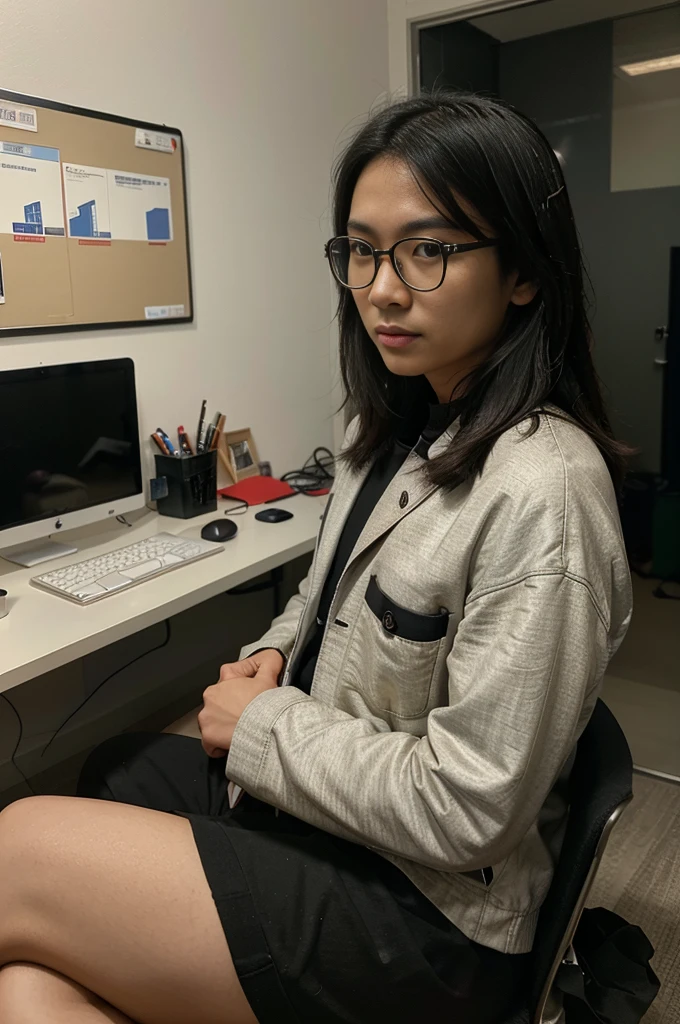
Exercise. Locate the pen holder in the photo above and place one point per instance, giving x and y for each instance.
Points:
(192, 484)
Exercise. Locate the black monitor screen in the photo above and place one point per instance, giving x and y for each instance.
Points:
(68, 439)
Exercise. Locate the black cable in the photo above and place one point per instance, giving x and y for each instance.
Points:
(18, 743)
(315, 475)
(107, 678)
(236, 510)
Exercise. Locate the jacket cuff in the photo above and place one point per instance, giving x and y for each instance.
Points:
(281, 641)
(251, 735)
(268, 647)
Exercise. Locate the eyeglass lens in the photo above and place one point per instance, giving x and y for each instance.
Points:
(419, 260)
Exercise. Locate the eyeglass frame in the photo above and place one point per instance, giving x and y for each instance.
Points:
(447, 249)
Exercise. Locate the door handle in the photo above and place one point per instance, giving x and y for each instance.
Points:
(661, 334)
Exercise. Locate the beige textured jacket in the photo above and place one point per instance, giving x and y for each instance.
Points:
(467, 641)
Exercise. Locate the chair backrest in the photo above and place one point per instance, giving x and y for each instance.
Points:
(600, 785)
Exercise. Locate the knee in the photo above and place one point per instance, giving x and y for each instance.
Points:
(25, 851)
(20, 824)
(16, 816)
(29, 832)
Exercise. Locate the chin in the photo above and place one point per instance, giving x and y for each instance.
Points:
(402, 364)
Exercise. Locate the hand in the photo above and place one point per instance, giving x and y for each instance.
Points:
(268, 661)
(224, 703)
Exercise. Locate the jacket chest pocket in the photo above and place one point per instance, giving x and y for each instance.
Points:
(401, 654)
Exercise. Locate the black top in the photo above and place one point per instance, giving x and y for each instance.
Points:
(417, 431)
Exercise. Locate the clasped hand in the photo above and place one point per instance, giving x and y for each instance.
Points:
(226, 700)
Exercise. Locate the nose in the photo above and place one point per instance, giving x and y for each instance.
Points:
(388, 289)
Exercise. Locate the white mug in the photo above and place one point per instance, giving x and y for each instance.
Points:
(3, 604)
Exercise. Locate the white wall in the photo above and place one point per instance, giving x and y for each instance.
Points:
(262, 90)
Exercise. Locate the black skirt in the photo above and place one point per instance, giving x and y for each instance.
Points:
(321, 931)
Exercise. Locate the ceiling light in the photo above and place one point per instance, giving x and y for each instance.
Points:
(646, 67)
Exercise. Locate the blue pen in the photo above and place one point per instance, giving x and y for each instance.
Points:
(168, 443)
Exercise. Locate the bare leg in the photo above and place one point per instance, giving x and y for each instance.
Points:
(114, 897)
(29, 993)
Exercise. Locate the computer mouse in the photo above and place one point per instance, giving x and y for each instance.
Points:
(219, 529)
(273, 515)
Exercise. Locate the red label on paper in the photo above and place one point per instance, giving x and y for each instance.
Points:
(94, 241)
(158, 243)
(29, 238)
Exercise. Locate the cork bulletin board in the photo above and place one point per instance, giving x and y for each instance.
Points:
(93, 220)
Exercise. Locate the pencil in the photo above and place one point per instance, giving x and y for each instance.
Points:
(218, 431)
(199, 429)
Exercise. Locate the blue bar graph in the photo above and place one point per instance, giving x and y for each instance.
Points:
(32, 224)
(84, 224)
(158, 225)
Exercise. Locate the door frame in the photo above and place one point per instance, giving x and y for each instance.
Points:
(407, 17)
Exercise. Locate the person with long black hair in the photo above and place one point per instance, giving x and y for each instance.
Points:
(375, 826)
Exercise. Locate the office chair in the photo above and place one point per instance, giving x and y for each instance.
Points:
(600, 787)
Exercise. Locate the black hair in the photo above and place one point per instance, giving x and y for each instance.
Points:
(499, 161)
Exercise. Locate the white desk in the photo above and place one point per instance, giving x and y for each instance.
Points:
(44, 631)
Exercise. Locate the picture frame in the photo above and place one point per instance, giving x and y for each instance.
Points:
(238, 454)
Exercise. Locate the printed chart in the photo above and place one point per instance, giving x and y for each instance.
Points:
(30, 191)
(87, 202)
(109, 204)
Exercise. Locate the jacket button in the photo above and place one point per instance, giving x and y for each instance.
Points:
(388, 621)
(403, 500)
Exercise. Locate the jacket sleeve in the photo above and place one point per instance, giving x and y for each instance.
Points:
(523, 678)
(281, 633)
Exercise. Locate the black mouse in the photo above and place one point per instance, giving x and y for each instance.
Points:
(219, 529)
(273, 515)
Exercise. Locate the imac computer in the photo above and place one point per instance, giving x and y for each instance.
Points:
(69, 453)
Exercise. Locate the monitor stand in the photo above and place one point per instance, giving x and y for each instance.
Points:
(42, 552)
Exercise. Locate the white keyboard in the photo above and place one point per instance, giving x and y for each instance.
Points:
(95, 578)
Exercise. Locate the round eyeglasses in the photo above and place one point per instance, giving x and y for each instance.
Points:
(419, 262)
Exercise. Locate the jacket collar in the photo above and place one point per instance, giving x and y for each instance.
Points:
(408, 489)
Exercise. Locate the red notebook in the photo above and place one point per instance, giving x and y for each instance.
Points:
(257, 489)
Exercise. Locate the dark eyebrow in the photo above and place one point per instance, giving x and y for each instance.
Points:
(411, 227)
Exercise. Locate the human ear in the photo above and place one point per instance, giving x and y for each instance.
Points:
(524, 292)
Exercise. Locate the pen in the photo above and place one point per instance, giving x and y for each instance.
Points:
(218, 431)
(166, 440)
(185, 446)
(157, 439)
(199, 429)
(210, 432)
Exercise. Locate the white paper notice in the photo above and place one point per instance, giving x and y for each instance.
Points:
(120, 205)
(87, 201)
(12, 116)
(140, 207)
(160, 141)
(163, 312)
(30, 192)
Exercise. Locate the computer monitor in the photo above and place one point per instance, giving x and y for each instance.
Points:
(69, 452)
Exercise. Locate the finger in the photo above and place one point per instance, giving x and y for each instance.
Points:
(228, 672)
(216, 752)
(238, 669)
(267, 675)
(213, 751)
